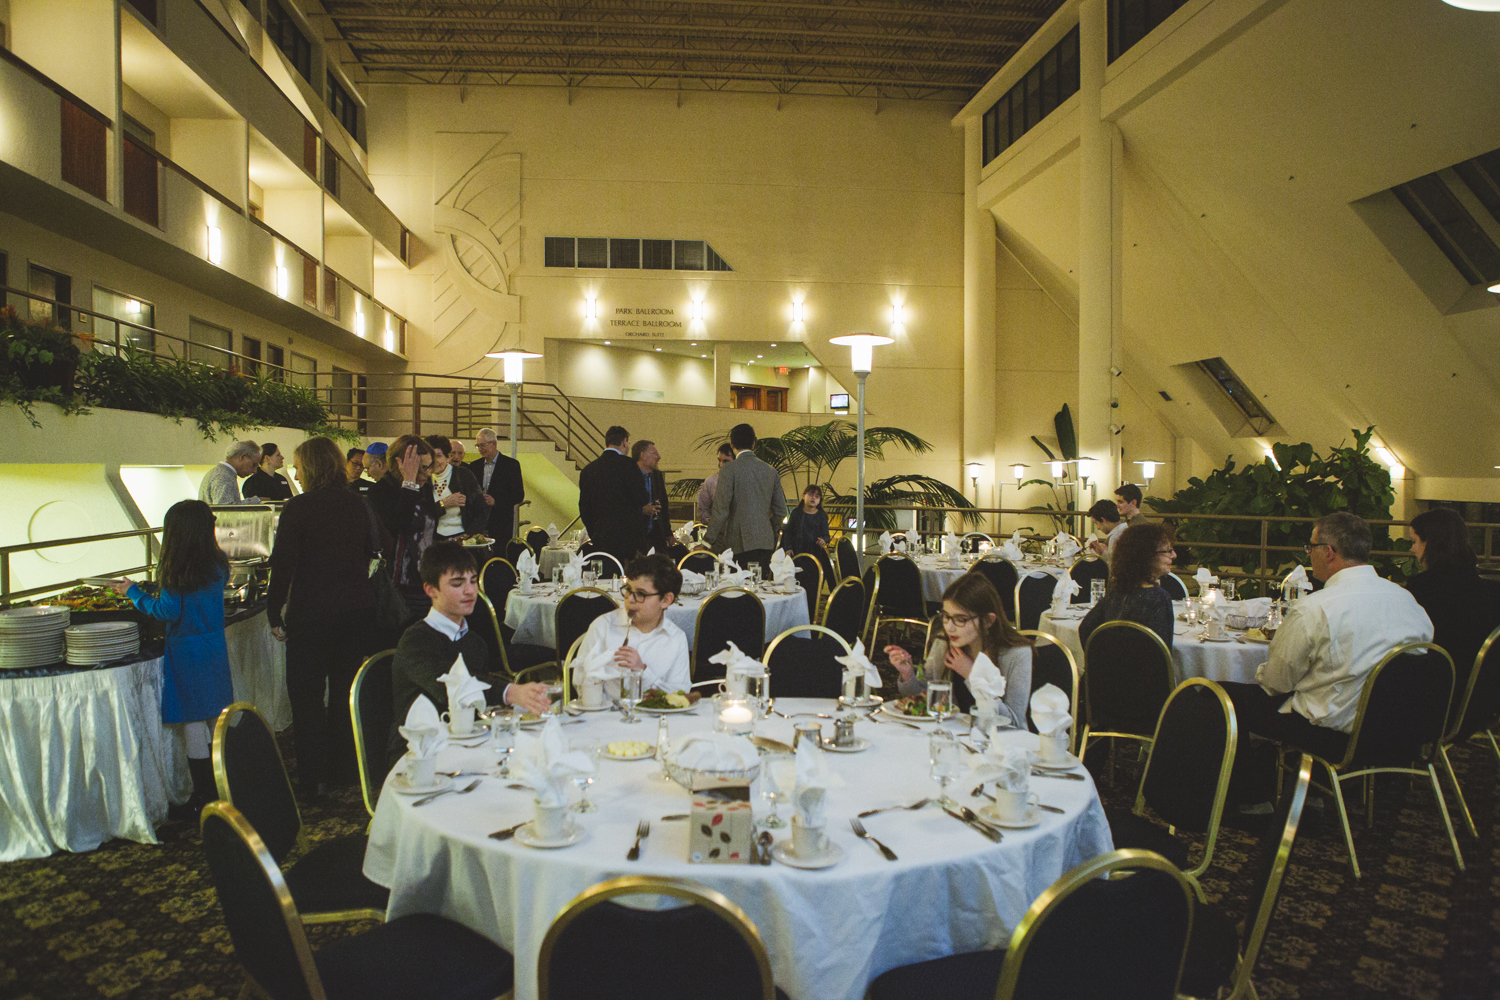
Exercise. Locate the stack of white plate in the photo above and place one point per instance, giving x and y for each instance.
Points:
(95, 642)
(32, 637)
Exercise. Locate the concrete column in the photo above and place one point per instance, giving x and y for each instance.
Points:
(722, 395)
(1098, 249)
(979, 325)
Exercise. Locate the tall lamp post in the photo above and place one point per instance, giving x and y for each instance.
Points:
(513, 361)
(861, 355)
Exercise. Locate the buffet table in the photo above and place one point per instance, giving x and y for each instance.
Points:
(829, 932)
(257, 664)
(1234, 660)
(532, 616)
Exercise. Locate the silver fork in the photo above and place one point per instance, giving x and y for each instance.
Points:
(462, 791)
(642, 831)
(915, 805)
(863, 834)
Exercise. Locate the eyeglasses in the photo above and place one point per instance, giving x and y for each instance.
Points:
(1316, 545)
(958, 620)
(631, 594)
(1167, 552)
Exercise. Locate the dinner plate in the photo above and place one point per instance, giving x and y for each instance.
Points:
(860, 743)
(869, 701)
(1071, 764)
(573, 834)
(473, 739)
(782, 852)
(648, 755)
(665, 711)
(402, 784)
(1034, 815)
(577, 706)
(890, 709)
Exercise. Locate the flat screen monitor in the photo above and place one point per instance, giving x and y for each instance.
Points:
(838, 401)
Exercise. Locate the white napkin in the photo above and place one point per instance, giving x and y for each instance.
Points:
(858, 664)
(423, 730)
(1009, 767)
(950, 542)
(726, 560)
(526, 566)
(685, 533)
(463, 688)
(552, 532)
(572, 571)
(738, 665)
(691, 580)
(1066, 547)
(1063, 590)
(546, 765)
(986, 682)
(783, 569)
(1255, 607)
(1049, 710)
(713, 752)
(1297, 578)
(1012, 548)
(1205, 578)
(812, 784)
(885, 542)
(599, 667)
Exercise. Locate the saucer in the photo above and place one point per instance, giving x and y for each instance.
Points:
(860, 743)
(577, 706)
(402, 784)
(471, 739)
(869, 701)
(1072, 763)
(1206, 638)
(783, 852)
(992, 815)
(572, 834)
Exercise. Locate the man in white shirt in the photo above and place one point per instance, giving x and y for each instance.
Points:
(639, 634)
(1106, 518)
(221, 484)
(1307, 692)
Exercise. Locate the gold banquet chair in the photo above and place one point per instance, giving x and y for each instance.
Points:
(895, 593)
(733, 614)
(1052, 663)
(1477, 712)
(371, 708)
(1127, 672)
(845, 610)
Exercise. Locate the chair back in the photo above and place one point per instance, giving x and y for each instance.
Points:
(845, 611)
(930, 630)
(250, 775)
(514, 548)
(846, 558)
(898, 588)
(698, 562)
(1276, 846)
(1092, 936)
(568, 693)
(1479, 707)
(258, 910)
(576, 612)
(1052, 663)
(971, 541)
(1085, 571)
(1187, 771)
(1033, 596)
(1002, 575)
(735, 615)
(663, 949)
(810, 578)
(1174, 587)
(1402, 708)
(484, 621)
(1129, 676)
(497, 578)
(606, 570)
(806, 668)
(371, 709)
(537, 539)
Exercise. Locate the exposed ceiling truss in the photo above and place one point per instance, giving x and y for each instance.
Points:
(898, 49)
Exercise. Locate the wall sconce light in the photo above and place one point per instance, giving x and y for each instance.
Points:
(133, 307)
(898, 314)
(1085, 470)
(283, 282)
(590, 308)
(1019, 471)
(695, 310)
(215, 245)
(1057, 471)
(1397, 470)
(798, 313)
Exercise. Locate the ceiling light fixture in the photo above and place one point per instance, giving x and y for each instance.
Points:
(1494, 288)
(1488, 5)
(606, 343)
(760, 355)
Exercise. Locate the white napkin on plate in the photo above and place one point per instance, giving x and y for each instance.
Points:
(1066, 547)
(423, 729)
(599, 667)
(552, 532)
(1255, 607)
(1049, 710)
(1297, 579)
(691, 580)
(738, 665)
(985, 679)
(1205, 578)
(463, 687)
(526, 567)
(783, 569)
(1009, 767)
(812, 785)
(1063, 590)
(546, 765)
(857, 664)
(685, 533)
(1012, 547)
(572, 571)
(726, 561)
(713, 752)
(885, 542)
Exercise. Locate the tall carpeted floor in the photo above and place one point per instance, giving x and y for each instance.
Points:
(141, 921)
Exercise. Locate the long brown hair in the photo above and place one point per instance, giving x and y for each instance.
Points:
(975, 594)
(1134, 558)
(320, 464)
(190, 555)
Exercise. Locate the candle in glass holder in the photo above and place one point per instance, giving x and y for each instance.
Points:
(736, 717)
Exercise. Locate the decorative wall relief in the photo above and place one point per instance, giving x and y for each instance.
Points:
(477, 220)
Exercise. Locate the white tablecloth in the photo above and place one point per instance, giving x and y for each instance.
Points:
(552, 557)
(829, 932)
(1233, 661)
(257, 667)
(86, 758)
(532, 617)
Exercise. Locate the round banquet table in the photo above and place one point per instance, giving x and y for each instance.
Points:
(829, 932)
(938, 575)
(552, 557)
(1235, 660)
(532, 616)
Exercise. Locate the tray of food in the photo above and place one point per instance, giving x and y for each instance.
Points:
(100, 604)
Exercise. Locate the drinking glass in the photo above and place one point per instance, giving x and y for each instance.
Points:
(1227, 586)
(590, 577)
(589, 748)
(1096, 591)
(630, 693)
(940, 699)
(504, 732)
(778, 779)
(946, 764)
(557, 577)
(1190, 611)
(554, 695)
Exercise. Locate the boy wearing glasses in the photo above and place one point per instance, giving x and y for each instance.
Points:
(641, 637)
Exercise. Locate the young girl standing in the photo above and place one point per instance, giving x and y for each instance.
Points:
(196, 685)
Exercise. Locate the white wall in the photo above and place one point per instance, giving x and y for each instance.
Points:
(593, 370)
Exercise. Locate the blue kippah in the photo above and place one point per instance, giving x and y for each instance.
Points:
(378, 448)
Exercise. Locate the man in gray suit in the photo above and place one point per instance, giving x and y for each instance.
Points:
(749, 505)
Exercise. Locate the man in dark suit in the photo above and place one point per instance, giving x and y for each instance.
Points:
(500, 478)
(658, 527)
(612, 499)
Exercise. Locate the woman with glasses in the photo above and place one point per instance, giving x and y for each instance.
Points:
(639, 636)
(1143, 555)
(973, 623)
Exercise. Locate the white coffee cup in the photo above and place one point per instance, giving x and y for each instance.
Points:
(1053, 749)
(548, 822)
(1014, 807)
(524, 586)
(421, 771)
(460, 721)
(808, 842)
(1215, 629)
(591, 693)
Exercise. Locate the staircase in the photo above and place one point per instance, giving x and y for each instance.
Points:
(460, 407)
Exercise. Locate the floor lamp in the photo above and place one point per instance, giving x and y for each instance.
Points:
(861, 355)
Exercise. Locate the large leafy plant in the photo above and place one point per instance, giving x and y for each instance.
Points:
(1067, 448)
(1295, 482)
(812, 455)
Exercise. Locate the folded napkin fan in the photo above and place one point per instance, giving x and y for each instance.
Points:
(1297, 578)
(986, 682)
(423, 729)
(737, 666)
(857, 664)
(685, 533)
(572, 571)
(526, 566)
(552, 532)
(726, 561)
(463, 688)
(1205, 578)
(1066, 547)
(713, 752)
(812, 785)
(1064, 589)
(1049, 710)
(1012, 550)
(546, 765)
(1255, 607)
(691, 579)
(601, 666)
(1009, 767)
(885, 542)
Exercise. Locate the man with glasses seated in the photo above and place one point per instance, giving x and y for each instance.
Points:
(638, 636)
(1307, 692)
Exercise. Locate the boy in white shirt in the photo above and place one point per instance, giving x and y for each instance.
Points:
(639, 634)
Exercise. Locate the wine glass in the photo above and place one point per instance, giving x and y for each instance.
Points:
(946, 764)
(940, 700)
(554, 695)
(591, 749)
(778, 779)
(630, 693)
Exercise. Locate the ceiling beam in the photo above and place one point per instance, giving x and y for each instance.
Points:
(999, 12)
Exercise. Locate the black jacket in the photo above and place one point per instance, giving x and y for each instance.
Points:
(610, 497)
(1464, 609)
(508, 489)
(660, 533)
(267, 486)
(424, 655)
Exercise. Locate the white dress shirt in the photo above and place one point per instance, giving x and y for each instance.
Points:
(1331, 639)
(664, 650)
(1112, 538)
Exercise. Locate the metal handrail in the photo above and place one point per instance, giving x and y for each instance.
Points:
(8, 597)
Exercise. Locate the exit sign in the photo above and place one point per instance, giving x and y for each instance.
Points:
(782, 370)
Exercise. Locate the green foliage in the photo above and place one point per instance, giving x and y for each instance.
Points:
(1306, 485)
(38, 364)
(1067, 444)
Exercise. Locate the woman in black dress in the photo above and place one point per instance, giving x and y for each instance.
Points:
(409, 513)
(807, 529)
(266, 482)
(1143, 555)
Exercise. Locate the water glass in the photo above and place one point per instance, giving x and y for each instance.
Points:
(590, 577)
(557, 577)
(1227, 586)
(554, 695)
(940, 699)
(505, 730)
(778, 780)
(590, 749)
(630, 693)
(946, 764)
(1190, 613)
(1096, 591)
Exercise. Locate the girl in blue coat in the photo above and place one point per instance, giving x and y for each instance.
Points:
(196, 685)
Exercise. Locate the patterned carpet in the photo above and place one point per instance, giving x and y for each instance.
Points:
(141, 921)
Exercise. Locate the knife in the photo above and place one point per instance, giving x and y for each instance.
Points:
(1069, 775)
(509, 831)
(993, 835)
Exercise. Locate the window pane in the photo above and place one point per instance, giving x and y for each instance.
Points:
(1049, 83)
(207, 343)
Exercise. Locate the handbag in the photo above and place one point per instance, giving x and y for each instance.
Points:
(391, 610)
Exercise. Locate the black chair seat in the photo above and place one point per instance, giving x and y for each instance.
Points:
(1127, 829)
(1212, 952)
(970, 976)
(417, 956)
(329, 878)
